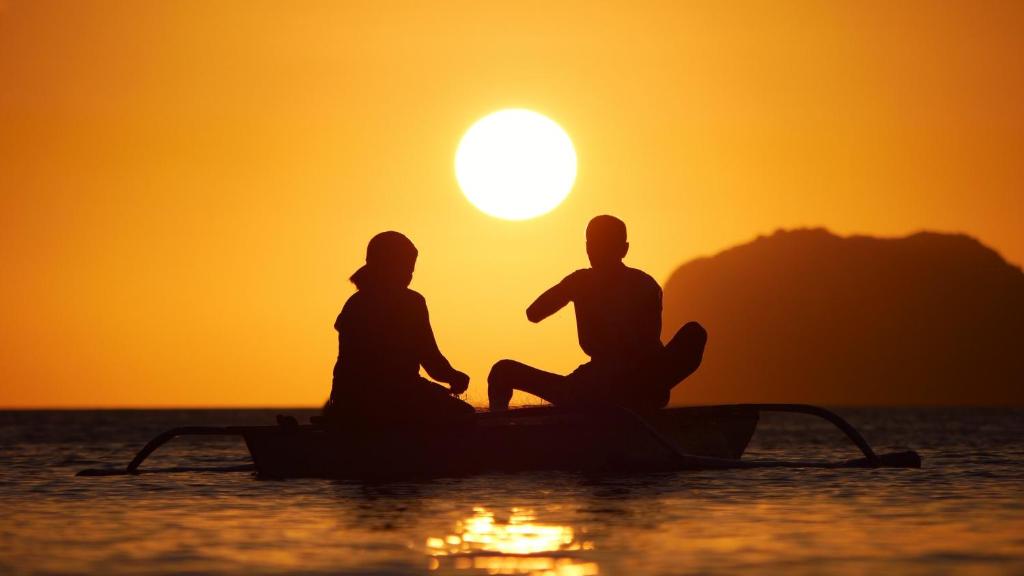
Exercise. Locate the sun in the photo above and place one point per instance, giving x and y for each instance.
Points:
(515, 164)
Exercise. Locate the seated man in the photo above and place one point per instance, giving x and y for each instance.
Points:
(618, 319)
(384, 337)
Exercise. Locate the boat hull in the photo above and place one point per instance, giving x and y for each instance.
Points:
(516, 440)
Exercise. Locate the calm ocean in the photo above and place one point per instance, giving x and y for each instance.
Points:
(962, 513)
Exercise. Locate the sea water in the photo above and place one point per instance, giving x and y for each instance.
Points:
(962, 513)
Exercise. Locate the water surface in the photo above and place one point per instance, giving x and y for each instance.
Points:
(962, 513)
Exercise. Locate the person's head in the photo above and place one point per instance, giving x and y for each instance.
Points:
(390, 261)
(606, 241)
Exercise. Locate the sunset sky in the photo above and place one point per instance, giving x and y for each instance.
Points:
(186, 186)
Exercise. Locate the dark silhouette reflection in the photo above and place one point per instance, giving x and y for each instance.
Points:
(384, 337)
(386, 507)
(618, 319)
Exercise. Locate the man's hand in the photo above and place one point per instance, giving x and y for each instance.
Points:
(459, 383)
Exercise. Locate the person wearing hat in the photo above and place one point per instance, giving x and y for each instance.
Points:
(384, 337)
(618, 321)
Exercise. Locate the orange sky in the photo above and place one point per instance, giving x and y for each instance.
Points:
(186, 186)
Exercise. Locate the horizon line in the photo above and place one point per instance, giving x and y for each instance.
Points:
(254, 407)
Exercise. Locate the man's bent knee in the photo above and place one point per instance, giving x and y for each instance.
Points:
(692, 337)
(695, 332)
(502, 371)
(685, 352)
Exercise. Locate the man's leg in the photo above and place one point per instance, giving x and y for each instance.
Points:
(508, 375)
(683, 353)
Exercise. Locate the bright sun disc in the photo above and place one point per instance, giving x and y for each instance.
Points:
(515, 164)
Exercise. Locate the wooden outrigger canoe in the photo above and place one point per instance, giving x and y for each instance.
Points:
(508, 441)
(610, 439)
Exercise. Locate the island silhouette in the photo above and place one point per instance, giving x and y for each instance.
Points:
(809, 316)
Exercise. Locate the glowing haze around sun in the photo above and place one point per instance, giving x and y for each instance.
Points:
(515, 164)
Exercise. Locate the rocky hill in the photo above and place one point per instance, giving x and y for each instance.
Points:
(808, 316)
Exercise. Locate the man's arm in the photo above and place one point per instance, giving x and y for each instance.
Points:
(436, 365)
(551, 301)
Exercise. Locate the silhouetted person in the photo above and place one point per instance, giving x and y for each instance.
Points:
(618, 320)
(384, 336)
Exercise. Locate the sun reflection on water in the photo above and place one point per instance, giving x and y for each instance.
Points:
(515, 543)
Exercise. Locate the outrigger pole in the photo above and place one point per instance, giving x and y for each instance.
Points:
(907, 459)
(164, 437)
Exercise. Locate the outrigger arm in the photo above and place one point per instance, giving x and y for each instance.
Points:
(907, 459)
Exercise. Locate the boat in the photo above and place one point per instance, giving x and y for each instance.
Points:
(596, 440)
(508, 441)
